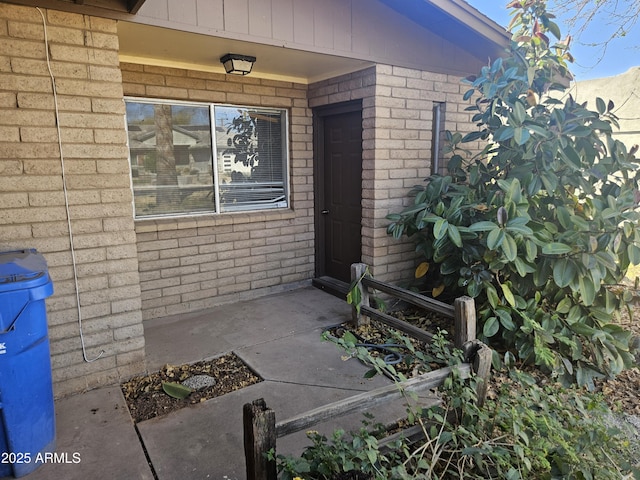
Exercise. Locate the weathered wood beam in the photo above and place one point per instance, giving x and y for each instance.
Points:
(393, 322)
(367, 400)
(258, 423)
(465, 321)
(411, 297)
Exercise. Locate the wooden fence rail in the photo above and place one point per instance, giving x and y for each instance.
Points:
(259, 422)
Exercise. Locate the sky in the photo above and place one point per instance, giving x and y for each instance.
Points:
(620, 55)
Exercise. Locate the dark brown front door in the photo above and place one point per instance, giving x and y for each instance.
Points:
(339, 188)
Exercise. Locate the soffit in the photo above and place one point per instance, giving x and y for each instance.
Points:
(160, 46)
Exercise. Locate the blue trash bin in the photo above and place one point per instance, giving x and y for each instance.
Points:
(27, 421)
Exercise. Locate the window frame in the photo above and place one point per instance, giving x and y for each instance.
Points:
(218, 208)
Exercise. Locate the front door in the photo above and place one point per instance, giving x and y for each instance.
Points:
(339, 190)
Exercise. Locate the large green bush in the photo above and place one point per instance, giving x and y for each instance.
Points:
(541, 225)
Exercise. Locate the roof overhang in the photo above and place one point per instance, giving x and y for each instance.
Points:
(106, 8)
(163, 45)
(457, 22)
(173, 48)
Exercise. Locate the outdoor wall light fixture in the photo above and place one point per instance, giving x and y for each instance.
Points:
(237, 64)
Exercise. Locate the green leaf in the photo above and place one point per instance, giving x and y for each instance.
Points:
(492, 295)
(503, 133)
(550, 181)
(556, 248)
(370, 373)
(587, 289)
(505, 319)
(538, 130)
(491, 327)
(176, 390)
(564, 271)
(607, 260)
(564, 305)
(580, 222)
(575, 315)
(468, 94)
(532, 250)
(472, 136)
(634, 253)
(483, 226)
(522, 267)
(570, 157)
(495, 238)
(349, 338)
(518, 225)
(509, 247)
(554, 29)
(508, 295)
(579, 131)
(440, 228)
(519, 113)
(601, 106)
(521, 135)
(564, 217)
(454, 235)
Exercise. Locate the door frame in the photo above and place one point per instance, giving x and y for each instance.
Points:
(319, 114)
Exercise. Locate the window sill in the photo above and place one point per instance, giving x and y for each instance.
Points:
(144, 225)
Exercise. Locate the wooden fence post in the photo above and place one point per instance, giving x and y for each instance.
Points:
(482, 369)
(358, 270)
(259, 424)
(465, 321)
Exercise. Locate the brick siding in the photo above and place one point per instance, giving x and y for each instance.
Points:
(133, 270)
(84, 62)
(192, 263)
(397, 142)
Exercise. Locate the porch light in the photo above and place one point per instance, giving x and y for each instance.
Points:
(237, 64)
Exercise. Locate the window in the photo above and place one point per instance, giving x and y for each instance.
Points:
(177, 169)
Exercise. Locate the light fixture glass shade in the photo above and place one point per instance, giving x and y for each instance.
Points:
(237, 64)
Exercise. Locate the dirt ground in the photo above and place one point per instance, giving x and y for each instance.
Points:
(624, 390)
(146, 398)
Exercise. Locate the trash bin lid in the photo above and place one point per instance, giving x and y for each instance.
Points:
(22, 269)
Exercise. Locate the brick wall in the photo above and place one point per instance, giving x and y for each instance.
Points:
(84, 62)
(397, 147)
(192, 263)
(130, 270)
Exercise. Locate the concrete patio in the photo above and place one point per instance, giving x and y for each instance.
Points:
(278, 336)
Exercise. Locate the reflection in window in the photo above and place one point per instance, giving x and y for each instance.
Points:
(176, 169)
(250, 149)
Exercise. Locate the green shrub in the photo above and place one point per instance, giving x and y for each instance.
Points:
(541, 225)
(524, 431)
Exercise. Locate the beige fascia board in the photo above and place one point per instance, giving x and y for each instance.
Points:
(474, 19)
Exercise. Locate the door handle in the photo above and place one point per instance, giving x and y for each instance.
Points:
(324, 212)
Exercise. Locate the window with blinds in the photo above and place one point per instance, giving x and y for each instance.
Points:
(194, 158)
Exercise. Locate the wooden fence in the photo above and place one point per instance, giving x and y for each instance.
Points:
(260, 428)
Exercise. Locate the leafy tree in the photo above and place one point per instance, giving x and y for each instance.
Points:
(540, 226)
(165, 156)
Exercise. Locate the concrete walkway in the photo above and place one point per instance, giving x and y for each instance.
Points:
(278, 336)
